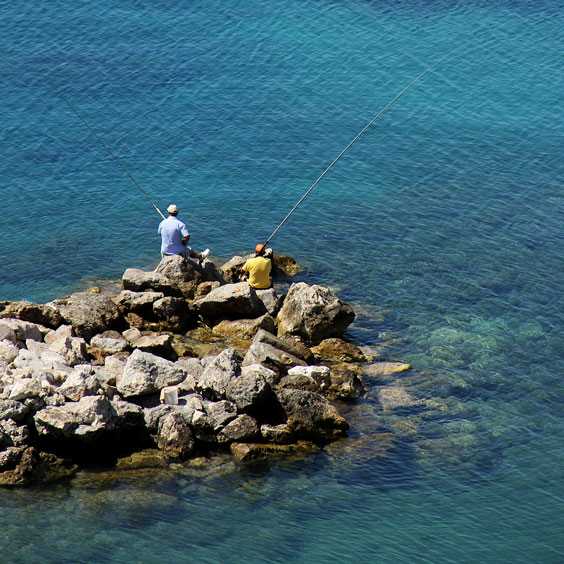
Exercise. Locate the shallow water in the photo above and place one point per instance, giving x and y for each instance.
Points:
(441, 226)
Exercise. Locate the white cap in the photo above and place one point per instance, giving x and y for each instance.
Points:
(172, 208)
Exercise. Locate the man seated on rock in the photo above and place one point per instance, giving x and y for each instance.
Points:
(175, 237)
(257, 270)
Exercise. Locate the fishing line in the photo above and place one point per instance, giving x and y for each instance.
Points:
(355, 139)
(111, 153)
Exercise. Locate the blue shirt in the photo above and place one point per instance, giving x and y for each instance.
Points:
(172, 232)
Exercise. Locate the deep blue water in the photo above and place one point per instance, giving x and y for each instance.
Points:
(441, 226)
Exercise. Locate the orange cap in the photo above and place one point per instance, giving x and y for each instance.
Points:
(259, 249)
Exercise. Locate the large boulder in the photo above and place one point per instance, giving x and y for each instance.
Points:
(314, 313)
(86, 419)
(89, 313)
(277, 434)
(283, 344)
(233, 301)
(174, 436)
(249, 392)
(145, 373)
(310, 416)
(16, 330)
(271, 357)
(172, 313)
(183, 273)
(90, 414)
(299, 344)
(188, 406)
(272, 352)
(245, 328)
(258, 370)
(338, 350)
(64, 342)
(271, 300)
(220, 413)
(8, 351)
(140, 303)
(159, 344)
(12, 434)
(25, 388)
(242, 429)
(140, 281)
(195, 369)
(109, 343)
(41, 314)
(232, 268)
(81, 382)
(345, 384)
(12, 409)
(212, 418)
(217, 375)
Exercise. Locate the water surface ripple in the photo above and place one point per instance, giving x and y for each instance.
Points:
(441, 226)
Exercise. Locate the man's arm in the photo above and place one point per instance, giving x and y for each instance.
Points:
(185, 240)
(243, 273)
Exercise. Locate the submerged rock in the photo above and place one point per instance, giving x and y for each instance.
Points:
(395, 397)
(259, 452)
(28, 466)
(338, 350)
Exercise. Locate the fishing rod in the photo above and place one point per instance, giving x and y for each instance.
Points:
(354, 140)
(112, 154)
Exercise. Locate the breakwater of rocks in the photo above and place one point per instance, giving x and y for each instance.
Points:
(184, 359)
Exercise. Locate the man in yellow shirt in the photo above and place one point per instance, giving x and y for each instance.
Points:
(257, 270)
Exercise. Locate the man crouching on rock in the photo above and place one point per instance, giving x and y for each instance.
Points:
(257, 270)
(175, 237)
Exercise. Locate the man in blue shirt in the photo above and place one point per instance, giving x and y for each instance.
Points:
(175, 237)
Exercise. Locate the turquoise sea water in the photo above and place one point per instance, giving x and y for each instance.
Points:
(441, 226)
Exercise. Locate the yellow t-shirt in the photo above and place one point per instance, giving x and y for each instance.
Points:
(258, 269)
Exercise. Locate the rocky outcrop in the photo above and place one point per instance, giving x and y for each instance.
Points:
(87, 374)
